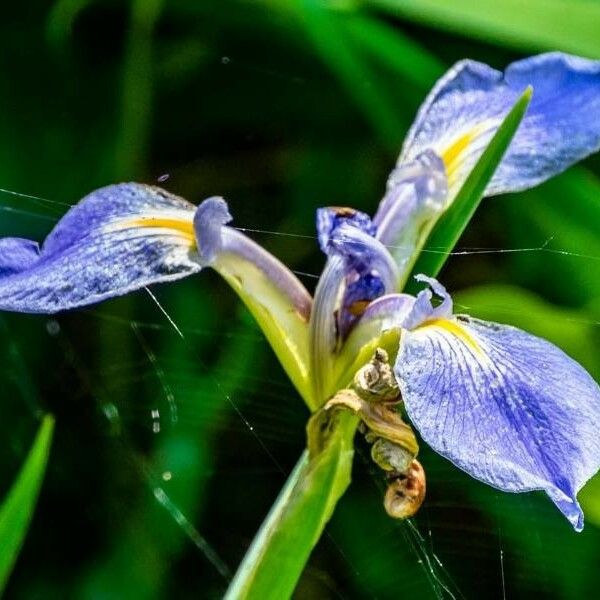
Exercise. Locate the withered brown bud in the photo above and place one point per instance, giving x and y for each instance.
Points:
(406, 493)
(391, 457)
(375, 382)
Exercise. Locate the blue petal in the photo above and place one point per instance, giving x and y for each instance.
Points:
(17, 254)
(363, 253)
(209, 219)
(331, 217)
(423, 309)
(240, 260)
(390, 310)
(369, 272)
(467, 105)
(381, 316)
(273, 294)
(416, 196)
(359, 269)
(116, 240)
(510, 409)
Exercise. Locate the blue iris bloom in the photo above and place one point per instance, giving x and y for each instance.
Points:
(508, 408)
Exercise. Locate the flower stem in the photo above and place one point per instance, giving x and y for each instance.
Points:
(276, 558)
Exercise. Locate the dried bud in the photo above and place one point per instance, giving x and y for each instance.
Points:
(406, 493)
(384, 422)
(391, 457)
(375, 382)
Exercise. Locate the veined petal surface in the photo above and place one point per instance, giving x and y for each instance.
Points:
(17, 254)
(466, 106)
(116, 240)
(508, 408)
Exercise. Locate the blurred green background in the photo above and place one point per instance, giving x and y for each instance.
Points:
(169, 451)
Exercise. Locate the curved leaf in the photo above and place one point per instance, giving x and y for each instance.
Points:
(18, 507)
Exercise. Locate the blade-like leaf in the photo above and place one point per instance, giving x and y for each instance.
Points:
(449, 228)
(569, 25)
(391, 47)
(17, 509)
(326, 33)
(276, 558)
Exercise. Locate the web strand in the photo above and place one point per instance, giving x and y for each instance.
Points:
(246, 422)
(438, 577)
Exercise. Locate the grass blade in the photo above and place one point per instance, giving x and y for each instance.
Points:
(325, 30)
(568, 25)
(449, 228)
(391, 47)
(18, 507)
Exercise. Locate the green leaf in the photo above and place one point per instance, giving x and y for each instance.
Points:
(61, 19)
(137, 92)
(569, 25)
(17, 509)
(391, 47)
(448, 229)
(276, 558)
(325, 29)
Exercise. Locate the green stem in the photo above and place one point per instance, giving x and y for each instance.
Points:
(276, 558)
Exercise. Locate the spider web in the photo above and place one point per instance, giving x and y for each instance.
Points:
(178, 398)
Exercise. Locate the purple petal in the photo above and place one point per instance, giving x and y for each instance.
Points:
(363, 254)
(124, 237)
(323, 326)
(116, 240)
(383, 314)
(368, 272)
(17, 254)
(508, 408)
(239, 259)
(238, 255)
(416, 196)
(358, 270)
(273, 294)
(109, 205)
(464, 109)
(331, 217)
(423, 309)
(210, 217)
(390, 310)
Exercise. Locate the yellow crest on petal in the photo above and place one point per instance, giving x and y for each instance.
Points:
(456, 329)
(454, 153)
(182, 225)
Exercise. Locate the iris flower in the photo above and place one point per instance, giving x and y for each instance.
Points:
(510, 409)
